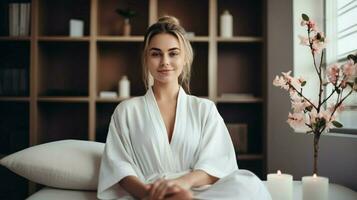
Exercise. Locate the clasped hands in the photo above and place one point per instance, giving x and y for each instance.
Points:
(168, 190)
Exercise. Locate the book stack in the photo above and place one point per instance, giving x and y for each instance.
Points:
(13, 82)
(19, 19)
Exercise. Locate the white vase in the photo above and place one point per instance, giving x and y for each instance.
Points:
(226, 24)
(126, 27)
(124, 87)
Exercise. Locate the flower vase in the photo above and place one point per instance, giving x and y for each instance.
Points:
(126, 27)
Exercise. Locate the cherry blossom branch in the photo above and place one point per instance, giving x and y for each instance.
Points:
(300, 94)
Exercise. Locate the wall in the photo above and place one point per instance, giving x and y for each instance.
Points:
(288, 151)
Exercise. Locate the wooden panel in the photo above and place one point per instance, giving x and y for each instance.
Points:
(247, 16)
(110, 23)
(63, 69)
(193, 15)
(54, 16)
(14, 68)
(104, 112)
(199, 71)
(250, 114)
(239, 68)
(116, 60)
(14, 126)
(58, 121)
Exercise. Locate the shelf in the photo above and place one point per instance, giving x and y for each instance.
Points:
(62, 39)
(116, 60)
(63, 99)
(14, 68)
(59, 121)
(111, 24)
(239, 100)
(61, 73)
(245, 39)
(54, 16)
(250, 157)
(16, 99)
(250, 115)
(110, 100)
(120, 39)
(15, 38)
(199, 39)
(247, 16)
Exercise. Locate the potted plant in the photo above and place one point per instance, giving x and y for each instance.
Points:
(127, 14)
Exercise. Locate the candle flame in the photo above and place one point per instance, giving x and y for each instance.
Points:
(314, 176)
(279, 172)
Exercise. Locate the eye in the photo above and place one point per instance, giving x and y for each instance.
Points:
(174, 53)
(155, 54)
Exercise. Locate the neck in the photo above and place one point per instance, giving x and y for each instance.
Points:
(166, 91)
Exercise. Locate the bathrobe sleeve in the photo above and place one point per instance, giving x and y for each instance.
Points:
(116, 160)
(216, 155)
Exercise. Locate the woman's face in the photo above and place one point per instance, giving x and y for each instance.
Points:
(165, 58)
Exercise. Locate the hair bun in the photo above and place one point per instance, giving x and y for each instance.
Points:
(169, 19)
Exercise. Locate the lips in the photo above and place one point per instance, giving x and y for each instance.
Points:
(164, 70)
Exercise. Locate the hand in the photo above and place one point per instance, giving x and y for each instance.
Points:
(162, 188)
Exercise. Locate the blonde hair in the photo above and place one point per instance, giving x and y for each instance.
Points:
(170, 25)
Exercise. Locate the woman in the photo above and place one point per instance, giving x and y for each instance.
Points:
(167, 144)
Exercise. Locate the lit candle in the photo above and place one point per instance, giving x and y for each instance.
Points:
(314, 188)
(280, 186)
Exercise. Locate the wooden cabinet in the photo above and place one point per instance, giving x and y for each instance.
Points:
(64, 75)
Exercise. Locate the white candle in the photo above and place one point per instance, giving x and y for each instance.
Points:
(314, 188)
(280, 186)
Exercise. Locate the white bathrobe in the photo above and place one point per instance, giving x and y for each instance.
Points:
(137, 144)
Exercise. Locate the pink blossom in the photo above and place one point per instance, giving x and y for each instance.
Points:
(287, 75)
(312, 25)
(279, 81)
(304, 40)
(348, 69)
(318, 46)
(333, 72)
(298, 106)
(296, 120)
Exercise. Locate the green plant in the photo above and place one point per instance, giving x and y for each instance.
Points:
(125, 13)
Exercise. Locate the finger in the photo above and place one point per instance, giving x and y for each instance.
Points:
(160, 188)
(163, 192)
(154, 188)
(173, 189)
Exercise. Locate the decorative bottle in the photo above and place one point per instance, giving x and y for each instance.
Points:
(124, 87)
(226, 24)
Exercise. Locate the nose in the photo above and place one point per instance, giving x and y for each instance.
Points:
(164, 61)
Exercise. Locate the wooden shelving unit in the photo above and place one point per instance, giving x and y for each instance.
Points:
(66, 74)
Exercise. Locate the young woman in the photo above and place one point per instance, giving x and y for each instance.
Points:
(168, 144)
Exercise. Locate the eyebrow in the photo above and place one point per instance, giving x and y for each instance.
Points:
(157, 49)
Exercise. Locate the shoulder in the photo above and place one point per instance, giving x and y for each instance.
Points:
(201, 103)
(129, 105)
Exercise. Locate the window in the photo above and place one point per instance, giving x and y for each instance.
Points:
(341, 29)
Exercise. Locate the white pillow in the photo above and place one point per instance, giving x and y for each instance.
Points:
(66, 164)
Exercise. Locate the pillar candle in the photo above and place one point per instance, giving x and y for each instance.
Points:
(315, 188)
(280, 186)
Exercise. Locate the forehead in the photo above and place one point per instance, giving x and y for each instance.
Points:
(164, 41)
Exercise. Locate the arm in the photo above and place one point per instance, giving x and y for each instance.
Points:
(134, 186)
(195, 179)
